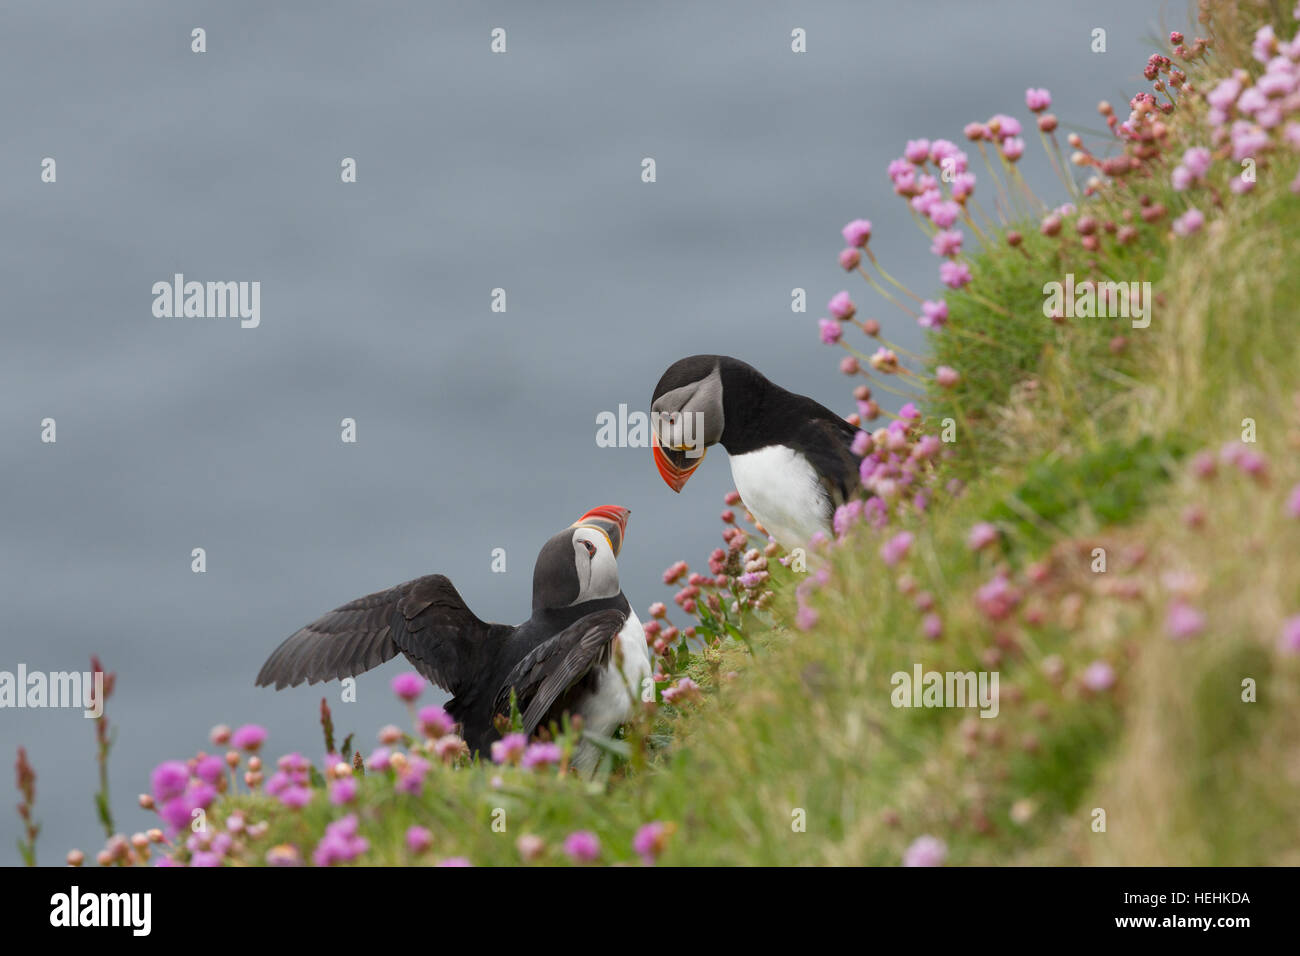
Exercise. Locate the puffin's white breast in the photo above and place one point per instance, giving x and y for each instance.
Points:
(781, 489)
(617, 692)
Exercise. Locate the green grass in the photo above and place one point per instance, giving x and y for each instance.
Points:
(1109, 484)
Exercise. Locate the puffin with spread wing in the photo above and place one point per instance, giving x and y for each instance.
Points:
(582, 652)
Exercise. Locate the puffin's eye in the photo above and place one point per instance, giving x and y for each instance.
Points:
(591, 548)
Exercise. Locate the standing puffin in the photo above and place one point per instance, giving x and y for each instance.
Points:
(583, 650)
(791, 457)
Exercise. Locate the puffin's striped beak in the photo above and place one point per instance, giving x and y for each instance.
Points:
(673, 475)
(609, 520)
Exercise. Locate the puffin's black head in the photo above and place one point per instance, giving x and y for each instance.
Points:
(580, 564)
(686, 413)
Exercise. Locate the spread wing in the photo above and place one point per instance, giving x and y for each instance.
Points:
(426, 619)
(554, 666)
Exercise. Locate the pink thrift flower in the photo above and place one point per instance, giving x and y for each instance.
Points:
(946, 377)
(411, 779)
(1265, 46)
(210, 769)
(295, 797)
(249, 737)
(1204, 466)
(905, 181)
(849, 365)
(582, 846)
(675, 571)
(649, 841)
(847, 515)
(934, 315)
(1248, 141)
(1003, 126)
(684, 689)
(1189, 222)
(1182, 621)
(925, 201)
(408, 686)
(963, 184)
(841, 306)
(942, 149)
(283, 854)
(540, 756)
(176, 813)
(418, 839)
(829, 330)
(436, 722)
(925, 851)
(1099, 676)
(1197, 161)
(341, 844)
(1252, 464)
(1224, 95)
(343, 791)
(1037, 99)
(997, 599)
(857, 233)
(379, 758)
(509, 749)
(954, 274)
(884, 360)
(850, 259)
(530, 847)
(805, 618)
(926, 448)
(896, 548)
(1013, 148)
(1252, 100)
(981, 536)
(917, 151)
(169, 780)
(1293, 502)
(944, 214)
(932, 626)
(1289, 643)
(946, 243)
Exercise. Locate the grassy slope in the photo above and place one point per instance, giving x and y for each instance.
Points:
(1087, 455)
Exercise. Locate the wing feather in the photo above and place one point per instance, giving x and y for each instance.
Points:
(426, 619)
(555, 665)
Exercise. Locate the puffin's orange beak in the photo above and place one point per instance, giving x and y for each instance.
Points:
(610, 520)
(672, 475)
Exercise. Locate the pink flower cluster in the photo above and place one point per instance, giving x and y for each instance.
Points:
(341, 843)
(178, 791)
